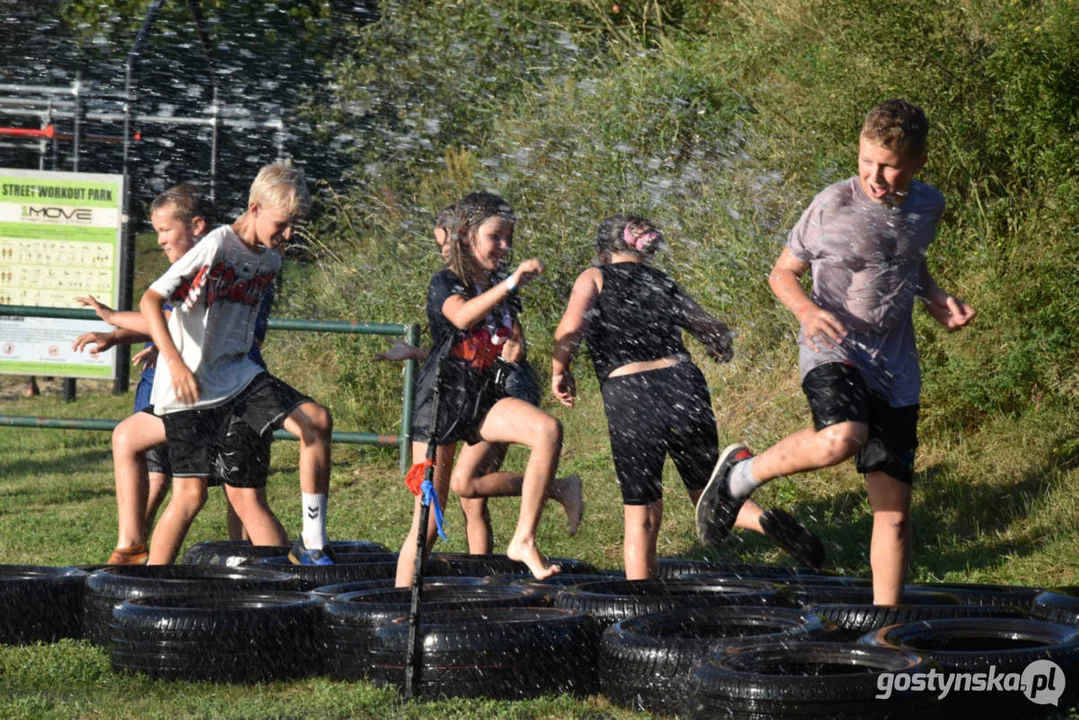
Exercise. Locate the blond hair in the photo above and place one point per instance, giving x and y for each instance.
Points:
(281, 185)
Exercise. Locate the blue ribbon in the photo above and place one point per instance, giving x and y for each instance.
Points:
(430, 497)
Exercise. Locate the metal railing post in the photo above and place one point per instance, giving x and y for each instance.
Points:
(412, 337)
(76, 91)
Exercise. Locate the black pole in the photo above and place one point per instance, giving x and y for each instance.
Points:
(76, 90)
(215, 131)
(412, 660)
(125, 290)
(195, 9)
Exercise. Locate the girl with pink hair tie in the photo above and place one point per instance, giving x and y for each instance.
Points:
(656, 399)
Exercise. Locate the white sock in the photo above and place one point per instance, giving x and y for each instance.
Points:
(314, 520)
(740, 483)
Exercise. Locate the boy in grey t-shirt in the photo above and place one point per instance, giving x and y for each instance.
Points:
(865, 240)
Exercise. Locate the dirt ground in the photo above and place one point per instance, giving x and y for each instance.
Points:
(13, 387)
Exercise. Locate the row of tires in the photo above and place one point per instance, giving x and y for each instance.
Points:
(707, 638)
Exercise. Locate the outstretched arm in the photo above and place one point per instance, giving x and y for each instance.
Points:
(463, 314)
(712, 332)
(946, 309)
(818, 325)
(571, 329)
(132, 321)
(98, 342)
(400, 351)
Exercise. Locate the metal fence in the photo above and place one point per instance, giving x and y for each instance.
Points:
(410, 333)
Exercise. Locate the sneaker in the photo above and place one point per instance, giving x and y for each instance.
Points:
(716, 509)
(795, 538)
(301, 555)
(133, 555)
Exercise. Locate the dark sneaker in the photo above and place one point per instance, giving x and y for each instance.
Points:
(301, 555)
(781, 528)
(716, 509)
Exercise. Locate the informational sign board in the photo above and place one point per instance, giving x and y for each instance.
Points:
(60, 237)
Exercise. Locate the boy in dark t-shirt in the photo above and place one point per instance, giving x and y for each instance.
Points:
(865, 240)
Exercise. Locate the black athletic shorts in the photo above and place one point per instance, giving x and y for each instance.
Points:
(837, 393)
(465, 398)
(157, 459)
(243, 456)
(195, 436)
(520, 382)
(657, 413)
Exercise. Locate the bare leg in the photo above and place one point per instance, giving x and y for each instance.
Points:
(749, 517)
(157, 490)
(188, 497)
(889, 549)
(256, 516)
(313, 424)
(232, 521)
(478, 529)
(513, 420)
(130, 440)
(641, 534)
(810, 449)
(476, 475)
(406, 559)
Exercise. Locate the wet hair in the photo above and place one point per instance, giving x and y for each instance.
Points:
(281, 185)
(470, 212)
(898, 125)
(628, 234)
(445, 216)
(188, 202)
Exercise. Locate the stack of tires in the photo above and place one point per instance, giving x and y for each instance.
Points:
(831, 652)
(703, 639)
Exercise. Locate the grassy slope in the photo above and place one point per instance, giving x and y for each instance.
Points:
(996, 486)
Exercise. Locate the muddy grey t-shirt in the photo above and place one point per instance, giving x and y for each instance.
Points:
(865, 259)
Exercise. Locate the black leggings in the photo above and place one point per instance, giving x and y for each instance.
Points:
(655, 413)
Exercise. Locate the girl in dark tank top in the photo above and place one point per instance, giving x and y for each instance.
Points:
(656, 400)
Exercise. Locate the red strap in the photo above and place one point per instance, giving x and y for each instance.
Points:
(414, 478)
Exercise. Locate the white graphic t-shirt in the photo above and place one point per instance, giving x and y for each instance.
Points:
(215, 291)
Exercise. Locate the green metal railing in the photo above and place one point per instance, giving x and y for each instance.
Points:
(403, 440)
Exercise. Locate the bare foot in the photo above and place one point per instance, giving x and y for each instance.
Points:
(527, 553)
(572, 499)
(31, 389)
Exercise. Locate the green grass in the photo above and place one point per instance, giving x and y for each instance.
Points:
(997, 505)
(719, 121)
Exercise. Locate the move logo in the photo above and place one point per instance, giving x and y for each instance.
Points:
(1041, 682)
(54, 214)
